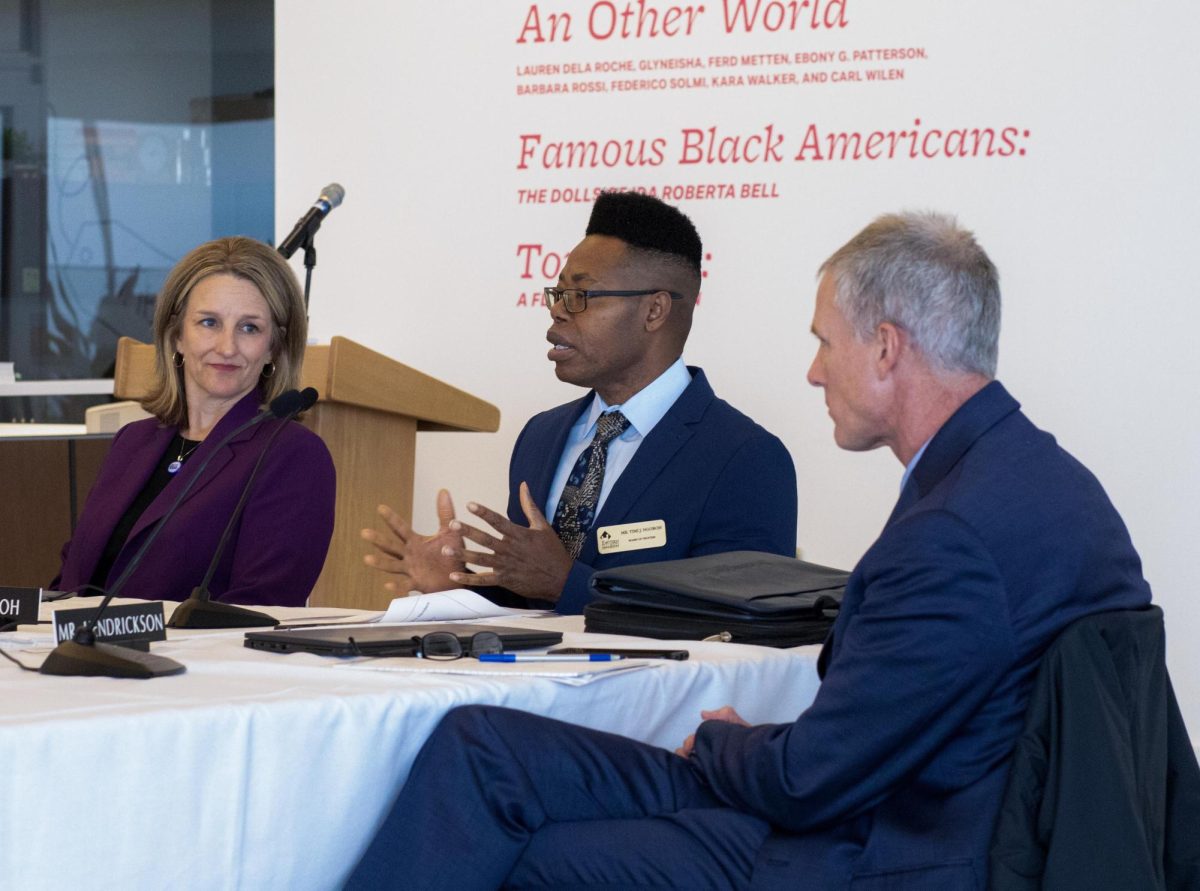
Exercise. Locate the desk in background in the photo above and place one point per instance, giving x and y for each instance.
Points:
(255, 770)
(45, 481)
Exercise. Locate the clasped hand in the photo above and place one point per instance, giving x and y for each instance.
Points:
(527, 560)
(724, 713)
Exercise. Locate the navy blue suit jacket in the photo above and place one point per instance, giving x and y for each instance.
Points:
(718, 480)
(276, 552)
(892, 778)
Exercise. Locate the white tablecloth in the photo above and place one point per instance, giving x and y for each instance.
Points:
(256, 770)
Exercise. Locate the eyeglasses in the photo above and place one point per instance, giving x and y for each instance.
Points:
(445, 645)
(576, 299)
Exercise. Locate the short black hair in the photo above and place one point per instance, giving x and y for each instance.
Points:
(642, 221)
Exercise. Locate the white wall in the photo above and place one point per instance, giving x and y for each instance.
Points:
(414, 109)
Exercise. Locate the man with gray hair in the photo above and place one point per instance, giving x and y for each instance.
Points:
(893, 776)
(926, 275)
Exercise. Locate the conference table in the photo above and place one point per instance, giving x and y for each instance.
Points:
(257, 770)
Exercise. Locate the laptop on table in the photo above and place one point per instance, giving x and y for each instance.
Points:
(388, 640)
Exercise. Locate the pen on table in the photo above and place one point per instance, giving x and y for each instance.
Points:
(549, 657)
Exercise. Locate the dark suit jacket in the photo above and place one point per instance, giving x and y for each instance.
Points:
(1104, 792)
(720, 481)
(275, 553)
(892, 778)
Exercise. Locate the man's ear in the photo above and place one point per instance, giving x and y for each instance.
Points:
(658, 310)
(890, 342)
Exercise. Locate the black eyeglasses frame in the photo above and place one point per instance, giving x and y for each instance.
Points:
(445, 646)
(553, 295)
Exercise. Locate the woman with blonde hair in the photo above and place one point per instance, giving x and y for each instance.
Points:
(229, 336)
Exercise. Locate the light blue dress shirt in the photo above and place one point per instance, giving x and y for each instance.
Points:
(908, 469)
(644, 410)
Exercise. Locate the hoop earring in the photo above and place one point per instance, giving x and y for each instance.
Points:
(177, 359)
(270, 373)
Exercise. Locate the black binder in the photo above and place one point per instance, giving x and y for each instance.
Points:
(756, 597)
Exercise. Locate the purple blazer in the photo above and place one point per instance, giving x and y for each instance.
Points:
(278, 547)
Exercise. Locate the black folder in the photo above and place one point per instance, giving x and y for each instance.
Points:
(755, 597)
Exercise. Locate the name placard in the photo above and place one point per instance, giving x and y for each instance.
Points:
(19, 605)
(132, 623)
(631, 536)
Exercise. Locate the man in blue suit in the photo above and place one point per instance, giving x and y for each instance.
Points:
(685, 469)
(893, 776)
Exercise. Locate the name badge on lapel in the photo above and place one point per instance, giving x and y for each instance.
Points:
(631, 536)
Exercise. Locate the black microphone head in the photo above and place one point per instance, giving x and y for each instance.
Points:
(309, 395)
(289, 403)
(333, 194)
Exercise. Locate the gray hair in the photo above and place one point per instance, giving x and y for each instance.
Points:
(926, 275)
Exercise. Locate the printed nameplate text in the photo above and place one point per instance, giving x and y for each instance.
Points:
(19, 605)
(138, 623)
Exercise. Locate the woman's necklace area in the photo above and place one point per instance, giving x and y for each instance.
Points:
(184, 451)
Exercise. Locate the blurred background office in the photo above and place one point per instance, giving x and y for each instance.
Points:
(133, 131)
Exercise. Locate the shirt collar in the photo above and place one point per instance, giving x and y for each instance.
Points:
(645, 408)
(913, 463)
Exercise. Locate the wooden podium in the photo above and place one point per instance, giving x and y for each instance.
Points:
(370, 410)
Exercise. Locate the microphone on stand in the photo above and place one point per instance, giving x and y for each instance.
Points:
(83, 655)
(331, 196)
(199, 610)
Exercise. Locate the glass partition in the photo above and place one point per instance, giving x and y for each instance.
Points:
(132, 131)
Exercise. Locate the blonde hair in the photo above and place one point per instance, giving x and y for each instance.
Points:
(246, 259)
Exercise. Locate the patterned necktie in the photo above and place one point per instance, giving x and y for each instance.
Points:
(577, 507)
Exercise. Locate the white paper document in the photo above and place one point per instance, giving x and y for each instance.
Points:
(447, 606)
(572, 675)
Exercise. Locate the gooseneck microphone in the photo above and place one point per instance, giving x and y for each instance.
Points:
(200, 610)
(331, 196)
(83, 655)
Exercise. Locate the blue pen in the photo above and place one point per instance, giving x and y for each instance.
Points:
(548, 657)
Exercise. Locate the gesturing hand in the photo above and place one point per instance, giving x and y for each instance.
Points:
(417, 562)
(529, 561)
(724, 713)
